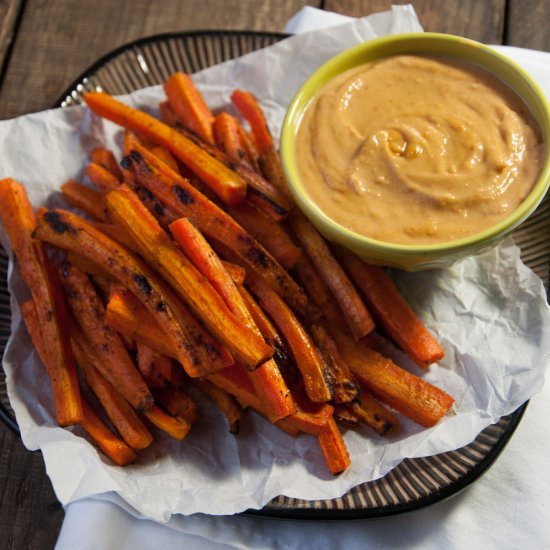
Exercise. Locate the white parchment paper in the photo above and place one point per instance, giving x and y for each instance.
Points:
(489, 312)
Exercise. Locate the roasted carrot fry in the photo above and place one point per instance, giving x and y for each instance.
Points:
(160, 251)
(189, 106)
(311, 418)
(306, 356)
(165, 156)
(394, 386)
(250, 109)
(334, 449)
(35, 269)
(250, 147)
(112, 358)
(229, 139)
(105, 158)
(269, 233)
(167, 114)
(90, 201)
(120, 413)
(101, 177)
(373, 414)
(71, 232)
(154, 367)
(177, 403)
(214, 223)
(394, 313)
(112, 446)
(225, 402)
(227, 185)
(358, 318)
(174, 426)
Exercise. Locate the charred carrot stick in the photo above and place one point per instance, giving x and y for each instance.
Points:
(19, 221)
(183, 199)
(306, 356)
(334, 448)
(112, 357)
(225, 402)
(90, 201)
(250, 109)
(107, 441)
(189, 105)
(228, 138)
(160, 251)
(266, 379)
(174, 426)
(71, 232)
(269, 233)
(122, 416)
(102, 178)
(178, 403)
(104, 157)
(154, 367)
(167, 114)
(165, 156)
(372, 413)
(227, 185)
(357, 316)
(394, 386)
(394, 313)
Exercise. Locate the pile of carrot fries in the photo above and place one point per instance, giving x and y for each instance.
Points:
(192, 267)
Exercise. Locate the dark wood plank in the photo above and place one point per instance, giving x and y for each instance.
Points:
(481, 20)
(9, 12)
(30, 514)
(58, 39)
(527, 24)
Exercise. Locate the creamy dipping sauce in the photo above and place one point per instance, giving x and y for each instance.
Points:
(417, 150)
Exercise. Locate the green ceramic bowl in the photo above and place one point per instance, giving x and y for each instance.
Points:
(416, 257)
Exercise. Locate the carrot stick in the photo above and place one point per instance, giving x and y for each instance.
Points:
(394, 386)
(372, 413)
(227, 185)
(358, 318)
(112, 446)
(101, 177)
(71, 232)
(35, 269)
(250, 109)
(177, 403)
(112, 358)
(90, 201)
(250, 147)
(311, 418)
(176, 192)
(165, 156)
(225, 402)
(105, 158)
(394, 313)
(306, 356)
(120, 413)
(191, 286)
(334, 449)
(269, 233)
(228, 138)
(155, 367)
(174, 426)
(167, 114)
(189, 105)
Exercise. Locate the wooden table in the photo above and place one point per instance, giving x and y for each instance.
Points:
(44, 45)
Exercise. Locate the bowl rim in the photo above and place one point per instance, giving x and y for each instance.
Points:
(358, 241)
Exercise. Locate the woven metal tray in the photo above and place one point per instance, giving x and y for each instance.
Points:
(415, 482)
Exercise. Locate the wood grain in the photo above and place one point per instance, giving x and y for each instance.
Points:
(9, 12)
(527, 24)
(58, 39)
(481, 20)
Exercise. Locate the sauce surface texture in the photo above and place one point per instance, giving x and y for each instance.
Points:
(417, 150)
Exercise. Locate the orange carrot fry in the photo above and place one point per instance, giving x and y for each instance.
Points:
(269, 233)
(165, 156)
(105, 158)
(189, 105)
(176, 192)
(174, 426)
(178, 403)
(120, 413)
(112, 446)
(227, 185)
(35, 269)
(394, 313)
(309, 417)
(229, 139)
(334, 449)
(112, 358)
(250, 109)
(225, 402)
(153, 243)
(70, 232)
(306, 356)
(167, 114)
(372, 413)
(90, 201)
(394, 386)
(358, 318)
(101, 177)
